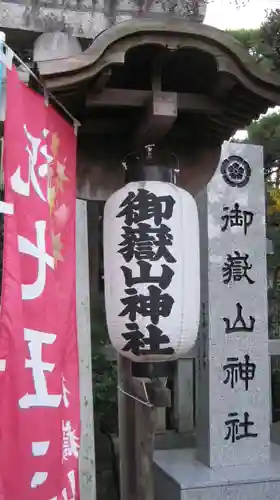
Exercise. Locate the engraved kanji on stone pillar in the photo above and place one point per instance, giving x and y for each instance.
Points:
(232, 367)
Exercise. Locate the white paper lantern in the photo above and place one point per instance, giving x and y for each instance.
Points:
(152, 272)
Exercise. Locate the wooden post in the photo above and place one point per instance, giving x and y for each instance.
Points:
(127, 451)
(137, 426)
(145, 437)
(87, 450)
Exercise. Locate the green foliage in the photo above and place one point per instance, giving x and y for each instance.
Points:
(104, 391)
(253, 41)
(270, 38)
(263, 43)
(266, 132)
(250, 39)
(104, 372)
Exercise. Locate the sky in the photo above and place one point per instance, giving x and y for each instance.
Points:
(225, 16)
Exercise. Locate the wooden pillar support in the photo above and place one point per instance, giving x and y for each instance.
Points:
(138, 403)
(160, 112)
(158, 118)
(127, 453)
(144, 438)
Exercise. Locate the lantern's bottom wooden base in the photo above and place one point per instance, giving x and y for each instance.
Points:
(152, 370)
(179, 476)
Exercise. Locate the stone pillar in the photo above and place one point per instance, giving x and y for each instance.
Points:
(232, 362)
(87, 450)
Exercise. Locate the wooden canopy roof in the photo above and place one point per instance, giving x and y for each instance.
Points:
(187, 84)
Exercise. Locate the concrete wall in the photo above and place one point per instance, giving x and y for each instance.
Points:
(81, 18)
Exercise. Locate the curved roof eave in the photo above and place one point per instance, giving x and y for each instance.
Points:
(62, 73)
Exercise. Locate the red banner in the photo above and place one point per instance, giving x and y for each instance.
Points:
(39, 391)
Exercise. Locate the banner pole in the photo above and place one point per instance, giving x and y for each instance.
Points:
(2, 104)
(5, 208)
(76, 122)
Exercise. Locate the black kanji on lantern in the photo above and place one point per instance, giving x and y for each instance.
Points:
(145, 205)
(134, 339)
(146, 243)
(236, 370)
(239, 325)
(239, 429)
(236, 268)
(236, 218)
(137, 342)
(145, 276)
(154, 305)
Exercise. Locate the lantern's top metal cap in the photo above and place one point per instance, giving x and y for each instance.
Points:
(150, 164)
(149, 151)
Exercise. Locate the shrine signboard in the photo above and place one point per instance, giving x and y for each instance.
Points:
(233, 402)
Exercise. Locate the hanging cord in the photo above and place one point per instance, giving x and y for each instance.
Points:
(75, 121)
(145, 403)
